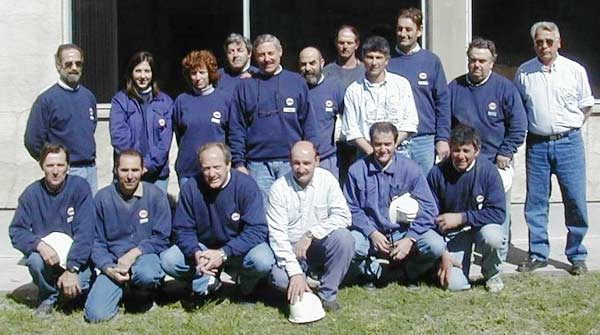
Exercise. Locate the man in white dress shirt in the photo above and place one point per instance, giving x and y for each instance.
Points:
(558, 100)
(379, 96)
(307, 216)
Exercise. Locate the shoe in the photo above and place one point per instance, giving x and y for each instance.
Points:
(531, 265)
(43, 311)
(578, 268)
(494, 284)
(331, 306)
(369, 287)
(214, 284)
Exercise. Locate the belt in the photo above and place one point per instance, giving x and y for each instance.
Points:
(553, 137)
(82, 163)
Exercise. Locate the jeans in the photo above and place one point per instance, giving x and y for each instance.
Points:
(489, 239)
(103, 301)
(506, 227)
(421, 149)
(266, 172)
(252, 267)
(331, 164)
(565, 158)
(45, 277)
(429, 248)
(88, 173)
(330, 257)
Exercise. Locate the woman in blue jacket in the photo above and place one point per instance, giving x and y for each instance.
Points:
(140, 118)
(201, 115)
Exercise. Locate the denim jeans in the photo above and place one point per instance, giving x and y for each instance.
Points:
(266, 172)
(252, 267)
(103, 301)
(45, 277)
(506, 227)
(331, 164)
(489, 239)
(330, 257)
(89, 173)
(565, 158)
(421, 149)
(429, 248)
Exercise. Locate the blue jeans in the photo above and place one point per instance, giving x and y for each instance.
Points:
(489, 239)
(429, 248)
(506, 227)
(103, 301)
(331, 164)
(565, 158)
(45, 277)
(252, 267)
(88, 173)
(266, 172)
(421, 149)
(330, 257)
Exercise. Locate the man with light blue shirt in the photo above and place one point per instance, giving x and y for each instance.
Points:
(307, 216)
(379, 96)
(66, 114)
(558, 100)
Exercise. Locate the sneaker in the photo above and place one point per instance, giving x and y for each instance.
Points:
(214, 284)
(578, 268)
(43, 311)
(494, 284)
(331, 306)
(531, 265)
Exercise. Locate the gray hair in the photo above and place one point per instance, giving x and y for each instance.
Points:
(544, 25)
(234, 38)
(268, 38)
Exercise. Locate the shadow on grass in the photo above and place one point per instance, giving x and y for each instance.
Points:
(517, 256)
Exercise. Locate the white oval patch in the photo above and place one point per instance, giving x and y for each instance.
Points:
(422, 75)
(492, 106)
(143, 214)
(235, 216)
(217, 114)
(70, 211)
(479, 198)
(162, 122)
(328, 103)
(289, 101)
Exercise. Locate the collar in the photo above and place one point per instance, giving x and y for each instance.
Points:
(227, 181)
(55, 192)
(205, 91)
(138, 193)
(67, 87)
(246, 66)
(297, 186)
(548, 68)
(321, 80)
(147, 90)
(368, 83)
(481, 83)
(277, 71)
(356, 63)
(468, 169)
(375, 166)
(412, 51)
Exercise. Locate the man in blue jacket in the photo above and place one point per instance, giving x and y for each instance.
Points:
(132, 228)
(55, 203)
(269, 113)
(491, 104)
(219, 224)
(373, 182)
(470, 198)
(66, 114)
(238, 50)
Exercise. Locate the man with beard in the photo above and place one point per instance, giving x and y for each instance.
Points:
(326, 97)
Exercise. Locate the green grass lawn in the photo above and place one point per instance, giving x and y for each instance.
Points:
(529, 304)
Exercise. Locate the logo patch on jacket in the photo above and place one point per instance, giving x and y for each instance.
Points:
(235, 216)
(143, 214)
(70, 214)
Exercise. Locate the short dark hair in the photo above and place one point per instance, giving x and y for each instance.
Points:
(129, 152)
(138, 58)
(67, 46)
(383, 127)
(412, 13)
(376, 44)
(52, 148)
(222, 146)
(463, 134)
(348, 27)
(482, 43)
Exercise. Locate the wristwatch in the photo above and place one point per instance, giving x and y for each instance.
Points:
(309, 235)
(223, 255)
(73, 269)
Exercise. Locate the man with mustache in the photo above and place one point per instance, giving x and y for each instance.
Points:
(238, 50)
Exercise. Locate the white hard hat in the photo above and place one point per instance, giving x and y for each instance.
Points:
(61, 243)
(507, 175)
(403, 209)
(309, 309)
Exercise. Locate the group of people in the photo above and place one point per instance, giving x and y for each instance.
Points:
(307, 180)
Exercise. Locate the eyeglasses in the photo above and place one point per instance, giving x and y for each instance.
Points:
(549, 42)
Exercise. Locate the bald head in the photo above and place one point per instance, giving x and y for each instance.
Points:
(311, 63)
(304, 159)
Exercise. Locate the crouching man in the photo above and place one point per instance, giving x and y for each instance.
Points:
(57, 203)
(133, 227)
(470, 198)
(374, 182)
(307, 216)
(219, 223)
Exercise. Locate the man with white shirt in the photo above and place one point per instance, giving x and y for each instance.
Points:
(307, 216)
(66, 114)
(558, 100)
(380, 96)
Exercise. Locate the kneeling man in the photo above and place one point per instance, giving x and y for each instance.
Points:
(307, 216)
(373, 183)
(57, 203)
(471, 200)
(132, 228)
(219, 222)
